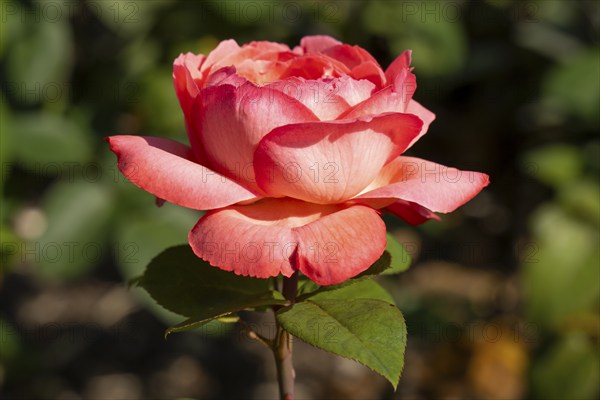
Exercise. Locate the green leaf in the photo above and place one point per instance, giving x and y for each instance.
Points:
(400, 258)
(369, 331)
(182, 283)
(195, 323)
(365, 289)
(359, 287)
(380, 266)
(308, 288)
(229, 319)
(569, 370)
(394, 260)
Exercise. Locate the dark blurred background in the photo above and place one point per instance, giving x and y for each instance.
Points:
(502, 299)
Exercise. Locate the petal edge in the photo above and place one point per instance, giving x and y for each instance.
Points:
(168, 170)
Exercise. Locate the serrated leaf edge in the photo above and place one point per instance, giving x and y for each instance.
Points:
(393, 382)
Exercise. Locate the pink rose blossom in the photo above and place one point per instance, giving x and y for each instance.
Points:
(295, 152)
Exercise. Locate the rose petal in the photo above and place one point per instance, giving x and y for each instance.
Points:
(354, 91)
(424, 114)
(351, 56)
(401, 63)
(434, 186)
(231, 121)
(326, 98)
(261, 72)
(256, 239)
(340, 245)
(411, 212)
(317, 43)
(320, 96)
(224, 49)
(225, 76)
(262, 50)
(393, 98)
(314, 66)
(328, 243)
(362, 65)
(186, 78)
(330, 162)
(369, 71)
(264, 67)
(167, 169)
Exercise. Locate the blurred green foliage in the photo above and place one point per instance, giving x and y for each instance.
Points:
(561, 274)
(515, 86)
(431, 31)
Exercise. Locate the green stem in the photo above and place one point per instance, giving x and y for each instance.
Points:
(282, 348)
(285, 368)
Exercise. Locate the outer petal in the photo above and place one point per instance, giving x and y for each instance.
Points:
(231, 121)
(434, 186)
(341, 245)
(329, 243)
(330, 162)
(167, 169)
(254, 240)
(424, 114)
(411, 212)
(187, 78)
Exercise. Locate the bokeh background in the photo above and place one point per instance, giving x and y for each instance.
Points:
(502, 299)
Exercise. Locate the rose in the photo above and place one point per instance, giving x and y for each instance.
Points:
(294, 152)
